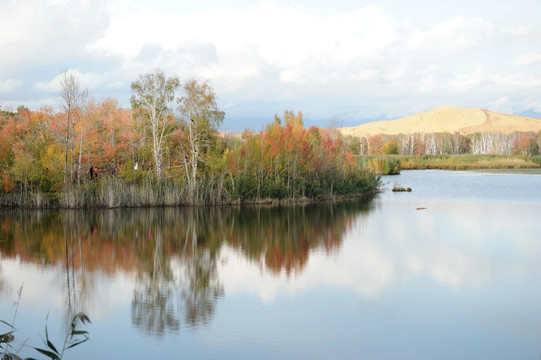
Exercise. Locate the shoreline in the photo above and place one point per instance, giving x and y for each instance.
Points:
(233, 203)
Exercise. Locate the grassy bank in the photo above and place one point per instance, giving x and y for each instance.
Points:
(115, 192)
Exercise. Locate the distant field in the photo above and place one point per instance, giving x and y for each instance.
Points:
(458, 162)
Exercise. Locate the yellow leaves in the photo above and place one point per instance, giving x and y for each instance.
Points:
(24, 167)
(52, 158)
(293, 120)
(226, 153)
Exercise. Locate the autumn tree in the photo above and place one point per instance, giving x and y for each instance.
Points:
(390, 148)
(201, 119)
(526, 145)
(375, 144)
(152, 94)
(7, 156)
(295, 149)
(109, 133)
(83, 106)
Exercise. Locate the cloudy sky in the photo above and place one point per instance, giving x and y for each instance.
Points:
(354, 61)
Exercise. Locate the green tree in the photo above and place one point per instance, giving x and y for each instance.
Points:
(534, 147)
(390, 148)
(201, 119)
(151, 96)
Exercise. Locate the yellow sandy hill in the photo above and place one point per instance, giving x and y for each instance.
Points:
(448, 119)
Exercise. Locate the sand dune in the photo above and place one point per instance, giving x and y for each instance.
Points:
(448, 119)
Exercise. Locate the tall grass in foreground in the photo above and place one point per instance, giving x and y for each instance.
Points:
(74, 336)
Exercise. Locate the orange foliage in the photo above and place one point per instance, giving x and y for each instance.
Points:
(375, 144)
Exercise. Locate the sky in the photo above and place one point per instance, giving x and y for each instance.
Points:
(341, 62)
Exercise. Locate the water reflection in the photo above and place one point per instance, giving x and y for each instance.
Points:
(460, 278)
(151, 307)
(171, 255)
(165, 288)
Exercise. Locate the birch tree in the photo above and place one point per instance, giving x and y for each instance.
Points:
(457, 143)
(363, 146)
(152, 94)
(201, 118)
(408, 144)
(69, 98)
(431, 145)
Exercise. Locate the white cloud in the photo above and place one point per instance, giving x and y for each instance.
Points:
(365, 75)
(465, 81)
(455, 35)
(502, 105)
(528, 58)
(513, 81)
(349, 61)
(37, 31)
(9, 85)
(89, 80)
(117, 85)
(250, 45)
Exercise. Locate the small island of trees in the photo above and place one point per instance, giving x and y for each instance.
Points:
(166, 150)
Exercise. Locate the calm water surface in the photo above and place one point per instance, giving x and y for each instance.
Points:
(377, 279)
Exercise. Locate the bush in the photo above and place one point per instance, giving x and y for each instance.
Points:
(382, 165)
(392, 167)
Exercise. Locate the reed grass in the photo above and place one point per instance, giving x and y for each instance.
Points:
(113, 192)
(381, 164)
(35, 199)
(148, 191)
(75, 336)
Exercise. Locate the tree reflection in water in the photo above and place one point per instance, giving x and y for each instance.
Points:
(172, 251)
(172, 285)
(152, 307)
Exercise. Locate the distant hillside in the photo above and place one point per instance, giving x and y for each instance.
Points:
(448, 119)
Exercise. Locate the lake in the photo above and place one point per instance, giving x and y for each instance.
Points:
(450, 270)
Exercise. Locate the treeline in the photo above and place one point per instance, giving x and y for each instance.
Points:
(96, 153)
(481, 143)
(288, 161)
